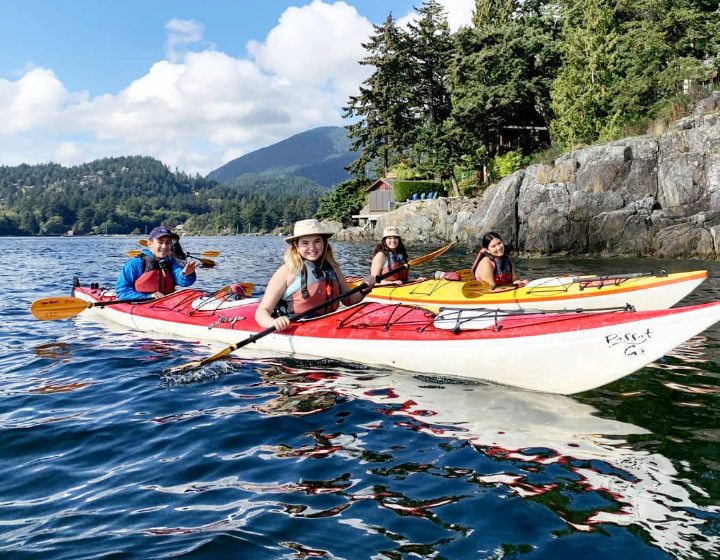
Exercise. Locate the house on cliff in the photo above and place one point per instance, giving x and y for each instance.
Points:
(381, 200)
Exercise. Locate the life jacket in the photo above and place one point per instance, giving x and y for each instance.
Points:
(503, 269)
(395, 260)
(157, 276)
(312, 286)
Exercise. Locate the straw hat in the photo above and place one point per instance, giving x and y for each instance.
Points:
(308, 227)
(391, 231)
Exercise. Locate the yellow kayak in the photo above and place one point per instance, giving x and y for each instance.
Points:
(643, 291)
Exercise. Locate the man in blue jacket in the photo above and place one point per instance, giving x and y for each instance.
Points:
(154, 272)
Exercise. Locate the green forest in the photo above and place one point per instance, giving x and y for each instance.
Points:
(528, 80)
(134, 194)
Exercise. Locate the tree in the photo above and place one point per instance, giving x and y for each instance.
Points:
(502, 73)
(382, 106)
(343, 201)
(622, 60)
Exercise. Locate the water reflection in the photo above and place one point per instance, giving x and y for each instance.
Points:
(548, 449)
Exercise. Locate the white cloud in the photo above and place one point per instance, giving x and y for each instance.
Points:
(181, 34)
(200, 108)
(458, 12)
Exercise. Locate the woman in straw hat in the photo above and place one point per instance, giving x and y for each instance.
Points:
(390, 253)
(308, 277)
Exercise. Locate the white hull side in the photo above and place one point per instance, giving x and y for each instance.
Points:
(563, 363)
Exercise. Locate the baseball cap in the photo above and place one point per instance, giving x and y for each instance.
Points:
(160, 231)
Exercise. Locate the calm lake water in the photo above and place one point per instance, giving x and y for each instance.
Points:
(105, 456)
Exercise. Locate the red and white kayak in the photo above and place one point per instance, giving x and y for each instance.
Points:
(543, 351)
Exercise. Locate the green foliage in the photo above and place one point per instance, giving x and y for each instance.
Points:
(343, 201)
(502, 166)
(586, 70)
(404, 190)
(622, 60)
(121, 195)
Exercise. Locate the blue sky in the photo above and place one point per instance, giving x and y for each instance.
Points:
(193, 83)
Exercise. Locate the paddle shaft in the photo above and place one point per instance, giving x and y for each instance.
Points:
(294, 317)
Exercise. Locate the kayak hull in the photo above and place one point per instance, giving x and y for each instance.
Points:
(644, 293)
(557, 353)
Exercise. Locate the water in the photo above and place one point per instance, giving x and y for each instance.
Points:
(103, 456)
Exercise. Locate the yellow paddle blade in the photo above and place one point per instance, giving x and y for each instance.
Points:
(143, 242)
(52, 309)
(194, 365)
(466, 275)
(132, 254)
(475, 288)
(210, 253)
(430, 256)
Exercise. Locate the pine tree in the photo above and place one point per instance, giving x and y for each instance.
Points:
(382, 104)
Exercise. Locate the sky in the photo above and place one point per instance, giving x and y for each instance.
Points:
(193, 83)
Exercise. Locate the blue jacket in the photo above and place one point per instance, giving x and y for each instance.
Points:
(132, 269)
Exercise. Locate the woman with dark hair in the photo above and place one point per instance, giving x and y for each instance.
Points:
(390, 253)
(493, 265)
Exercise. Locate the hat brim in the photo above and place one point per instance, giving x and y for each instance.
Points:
(291, 240)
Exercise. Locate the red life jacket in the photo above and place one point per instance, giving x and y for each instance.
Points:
(393, 261)
(312, 287)
(503, 270)
(157, 276)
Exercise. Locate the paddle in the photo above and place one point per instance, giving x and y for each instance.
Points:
(144, 243)
(295, 317)
(430, 256)
(52, 309)
(206, 263)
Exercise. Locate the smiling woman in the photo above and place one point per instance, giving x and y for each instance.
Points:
(309, 276)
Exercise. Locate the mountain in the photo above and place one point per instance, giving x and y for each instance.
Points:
(315, 157)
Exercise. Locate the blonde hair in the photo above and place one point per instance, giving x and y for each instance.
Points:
(294, 262)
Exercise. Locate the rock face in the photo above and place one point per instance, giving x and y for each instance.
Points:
(636, 197)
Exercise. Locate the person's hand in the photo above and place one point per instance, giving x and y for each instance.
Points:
(520, 283)
(369, 281)
(281, 323)
(157, 295)
(189, 268)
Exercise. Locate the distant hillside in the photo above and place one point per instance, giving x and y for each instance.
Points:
(133, 195)
(317, 156)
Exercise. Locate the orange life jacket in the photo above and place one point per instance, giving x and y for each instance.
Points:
(312, 287)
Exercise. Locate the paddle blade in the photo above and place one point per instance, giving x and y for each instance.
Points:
(206, 263)
(53, 309)
(431, 256)
(466, 275)
(210, 253)
(475, 288)
(133, 254)
(143, 242)
(198, 364)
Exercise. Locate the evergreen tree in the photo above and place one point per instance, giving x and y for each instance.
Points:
(502, 73)
(382, 106)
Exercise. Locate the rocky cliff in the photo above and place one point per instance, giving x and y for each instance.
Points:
(637, 196)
